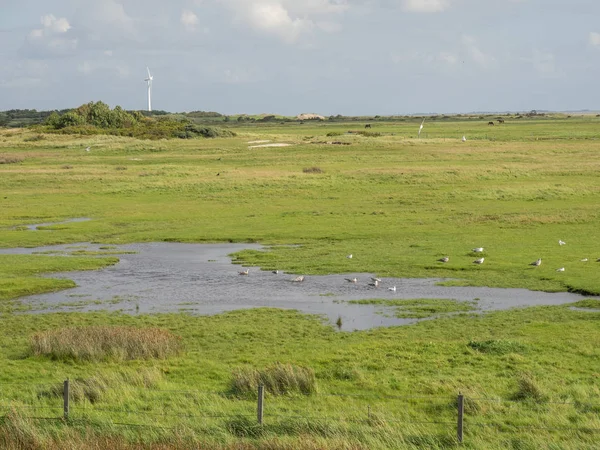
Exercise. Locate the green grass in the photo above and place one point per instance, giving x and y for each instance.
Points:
(396, 203)
(420, 308)
(518, 375)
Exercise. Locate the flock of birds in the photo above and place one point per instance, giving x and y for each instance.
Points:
(536, 263)
(299, 279)
(375, 282)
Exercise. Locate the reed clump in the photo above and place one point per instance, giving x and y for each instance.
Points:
(278, 379)
(101, 343)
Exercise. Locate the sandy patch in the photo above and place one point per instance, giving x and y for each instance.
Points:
(259, 142)
(270, 145)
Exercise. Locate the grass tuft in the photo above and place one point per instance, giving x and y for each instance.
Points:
(93, 389)
(497, 346)
(528, 389)
(10, 159)
(312, 170)
(278, 379)
(101, 343)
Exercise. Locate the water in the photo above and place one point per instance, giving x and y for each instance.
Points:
(200, 279)
(36, 226)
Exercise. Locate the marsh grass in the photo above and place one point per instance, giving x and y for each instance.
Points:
(588, 304)
(94, 389)
(312, 170)
(11, 159)
(420, 308)
(497, 346)
(278, 379)
(103, 343)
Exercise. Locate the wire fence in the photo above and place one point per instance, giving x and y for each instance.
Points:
(461, 416)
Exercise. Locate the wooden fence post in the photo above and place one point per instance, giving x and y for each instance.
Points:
(66, 399)
(461, 412)
(260, 405)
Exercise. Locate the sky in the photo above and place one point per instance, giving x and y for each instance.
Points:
(351, 57)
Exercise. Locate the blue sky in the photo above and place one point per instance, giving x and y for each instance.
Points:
(293, 56)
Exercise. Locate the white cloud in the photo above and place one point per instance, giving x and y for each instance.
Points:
(56, 25)
(108, 52)
(594, 39)
(273, 18)
(448, 58)
(425, 6)
(189, 20)
(289, 20)
(485, 60)
(53, 38)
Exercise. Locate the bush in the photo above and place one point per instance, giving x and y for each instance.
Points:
(97, 343)
(279, 379)
(193, 131)
(312, 170)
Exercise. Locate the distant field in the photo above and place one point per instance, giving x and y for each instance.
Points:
(397, 203)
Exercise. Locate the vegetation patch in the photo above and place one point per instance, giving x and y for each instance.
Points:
(278, 379)
(11, 159)
(528, 389)
(497, 346)
(102, 343)
(312, 170)
(587, 304)
(420, 308)
(95, 388)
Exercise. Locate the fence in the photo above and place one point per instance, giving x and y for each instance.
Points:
(458, 417)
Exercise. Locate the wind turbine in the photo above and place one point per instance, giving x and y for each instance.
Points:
(149, 81)
(421, 127)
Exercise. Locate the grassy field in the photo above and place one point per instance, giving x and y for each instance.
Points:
(397, 203)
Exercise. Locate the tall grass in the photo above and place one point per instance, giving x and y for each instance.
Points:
(95, 388)
(101, 343)
(278, 379)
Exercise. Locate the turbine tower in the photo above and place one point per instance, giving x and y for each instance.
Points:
(149, 81)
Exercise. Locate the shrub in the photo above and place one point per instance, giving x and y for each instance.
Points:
(34, 138)
(279, 379)
(97, 343)
(10, 159)
(312, 170)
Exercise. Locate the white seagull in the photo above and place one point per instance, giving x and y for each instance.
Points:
(378, 280)
(352, 280)
(244, 272)
(374, 283)
(479, 261)
(421, 127)
(349, 256)
(276, 272)
(562, 269)
(87, 149)
(560, 242)
(536, 263)
(464, 139)
(584, 260)
(478, 250)
(445, 259)
(298, 279)
(393, 289)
